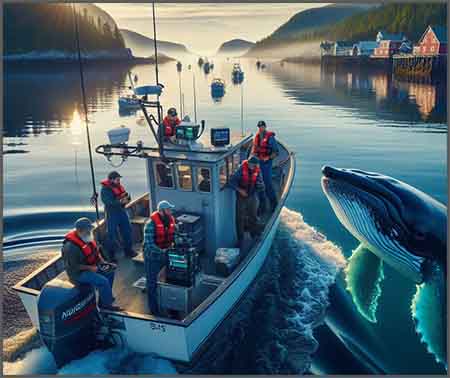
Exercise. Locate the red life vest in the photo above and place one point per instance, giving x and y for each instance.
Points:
(248, 182)
(90, 250)
(164, 237)
(261, 147)
(169, 126)
(118, 190)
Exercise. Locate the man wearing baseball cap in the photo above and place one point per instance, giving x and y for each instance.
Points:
(265, 148)
(159, 234)
(85, 264)
(115, 198)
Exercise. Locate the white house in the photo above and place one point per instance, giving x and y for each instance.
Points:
(364, 48)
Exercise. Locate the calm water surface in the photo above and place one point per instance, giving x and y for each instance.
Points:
(357, 120)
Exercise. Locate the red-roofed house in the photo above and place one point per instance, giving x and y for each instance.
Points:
(432, 42)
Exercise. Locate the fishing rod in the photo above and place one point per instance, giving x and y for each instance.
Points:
(179, 87)
(94, 198)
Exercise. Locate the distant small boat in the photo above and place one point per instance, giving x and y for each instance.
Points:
(129, 101)
(136, 78)
(189, 67)
(237, 74)
(179, 66)
(211, 65)
(217, 88)
(206, 67)
(200, 61)
(263, 66)
(258, 64)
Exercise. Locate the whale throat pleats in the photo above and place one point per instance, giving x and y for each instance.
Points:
(429, 311)
(364, 274)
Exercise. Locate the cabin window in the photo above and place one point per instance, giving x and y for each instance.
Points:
(236, 160)
(229, 161)
(184, 177)
(222, 175)
(164, 175)
(204, 180)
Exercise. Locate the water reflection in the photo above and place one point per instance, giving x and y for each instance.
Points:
(374, 94)
(43, 99)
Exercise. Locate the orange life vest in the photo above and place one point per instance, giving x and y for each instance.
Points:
(169, 126)
(90, 250)
(261, 146)
(248, 182)
(164, 237)
(118, 190)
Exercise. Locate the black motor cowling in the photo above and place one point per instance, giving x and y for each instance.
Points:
(68, 319)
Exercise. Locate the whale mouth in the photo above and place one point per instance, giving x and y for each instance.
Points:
(378, 195)
(372, 214)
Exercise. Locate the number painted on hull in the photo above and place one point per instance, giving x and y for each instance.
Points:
(158, 327)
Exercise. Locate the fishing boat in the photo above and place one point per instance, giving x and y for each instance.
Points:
(200, 61)
(192, 171)
(212, 298)
(179, 66)
(217, 88)
(258, 64)
(237, 75)
(128, 101)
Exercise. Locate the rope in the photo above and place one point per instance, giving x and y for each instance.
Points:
(94, 198)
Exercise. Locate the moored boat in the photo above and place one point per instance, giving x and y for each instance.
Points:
(217, 88)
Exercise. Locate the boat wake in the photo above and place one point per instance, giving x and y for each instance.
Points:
(111, 361)
(270, 332)
(306, 265)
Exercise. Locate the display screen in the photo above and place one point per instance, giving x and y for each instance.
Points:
(187, 132)
(220, 137)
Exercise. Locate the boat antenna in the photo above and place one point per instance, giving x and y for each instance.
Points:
(242, 110)
(160, 129)
(195, 97)
(179, 87)
(94, 198)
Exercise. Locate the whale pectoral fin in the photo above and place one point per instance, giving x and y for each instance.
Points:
(364, 274)
(429, 312)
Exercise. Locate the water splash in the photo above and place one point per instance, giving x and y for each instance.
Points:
(307, 265)
(110, 361)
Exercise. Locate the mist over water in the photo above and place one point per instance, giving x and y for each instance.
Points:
(358, 120)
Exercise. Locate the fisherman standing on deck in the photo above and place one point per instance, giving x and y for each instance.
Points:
(115, 198)
(159, 234)
(248, 182)
(85, 264)
(170, 122)
(265, 148)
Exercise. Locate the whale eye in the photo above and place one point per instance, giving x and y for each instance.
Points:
(418, 235)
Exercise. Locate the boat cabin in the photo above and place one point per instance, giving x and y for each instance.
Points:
(195, 180)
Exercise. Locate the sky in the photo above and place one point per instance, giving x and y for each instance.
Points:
(204, 27)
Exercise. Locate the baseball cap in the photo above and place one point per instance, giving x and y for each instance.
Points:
(261, 123)
(84, 224)
(165, 205)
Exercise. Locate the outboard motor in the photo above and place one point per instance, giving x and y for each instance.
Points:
(68, 318)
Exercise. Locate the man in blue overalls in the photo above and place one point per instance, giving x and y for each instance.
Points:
(265, 148)
(115, 198)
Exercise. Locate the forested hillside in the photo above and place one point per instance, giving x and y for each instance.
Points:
(410, 19)
(47, 27)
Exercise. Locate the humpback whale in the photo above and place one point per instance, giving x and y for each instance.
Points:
(403, 227)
